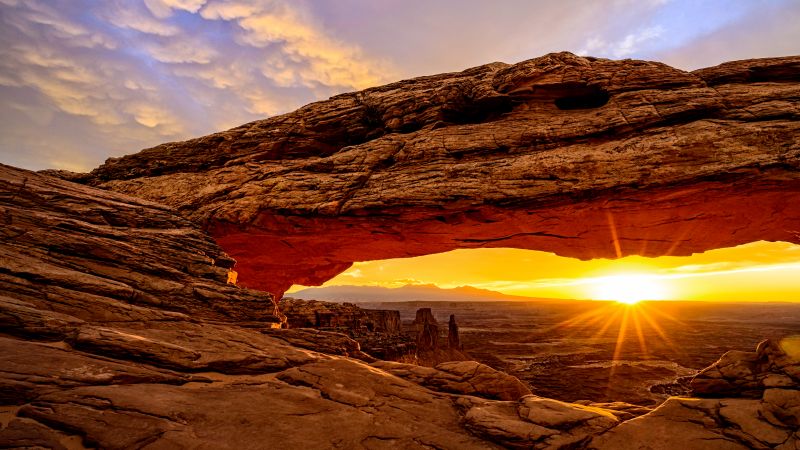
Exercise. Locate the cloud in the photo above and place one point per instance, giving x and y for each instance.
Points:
(731, 269)
(357, 273)
(179, 52)
(138, 20)
(626, 46)
(308, 55)
(82, 84)
(34, 17)
(165, 8)
(768, 30)
(682, 272)
(229, 11)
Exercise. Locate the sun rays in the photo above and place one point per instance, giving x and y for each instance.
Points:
(625, 324)
(628, 288)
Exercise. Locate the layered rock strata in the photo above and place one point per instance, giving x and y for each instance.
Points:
(96, 256)
(462, 377)
(120, 330)
(748, 400)
(582, 157)
(345, 316)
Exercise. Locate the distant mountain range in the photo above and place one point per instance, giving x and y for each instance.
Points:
(407, 293)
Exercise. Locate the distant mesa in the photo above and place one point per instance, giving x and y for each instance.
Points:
(407, 293)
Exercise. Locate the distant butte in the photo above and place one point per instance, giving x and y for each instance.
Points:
(579, 156)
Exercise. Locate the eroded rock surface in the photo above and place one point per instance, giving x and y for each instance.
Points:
(748, 374)
(583, 157)
(73, 254)
(771, 422)
(453, 339)
(536, 422)
(427, 331)
(339, 316)
(460, 377)
(345, 329)
(757, 405)
(93, 355)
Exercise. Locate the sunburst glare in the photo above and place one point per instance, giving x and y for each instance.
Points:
(628, 288)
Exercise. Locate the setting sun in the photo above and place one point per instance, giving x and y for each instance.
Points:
(629, 289)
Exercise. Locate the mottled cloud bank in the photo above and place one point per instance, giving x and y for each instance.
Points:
(82, 80)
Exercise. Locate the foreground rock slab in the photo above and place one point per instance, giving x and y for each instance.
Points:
(461, 377)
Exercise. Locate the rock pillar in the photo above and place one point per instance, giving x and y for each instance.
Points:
(427, 330)
(453, 341)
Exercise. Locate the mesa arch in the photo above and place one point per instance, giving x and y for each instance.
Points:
(582, 157)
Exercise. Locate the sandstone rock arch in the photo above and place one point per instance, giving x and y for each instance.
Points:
(583, 157)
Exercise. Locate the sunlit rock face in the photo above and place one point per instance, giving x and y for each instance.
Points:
(744, 374)
(582, 157)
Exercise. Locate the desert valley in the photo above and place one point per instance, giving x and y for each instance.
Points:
(580, 350)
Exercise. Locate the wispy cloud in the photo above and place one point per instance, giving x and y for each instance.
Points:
(624, 47)
(165, 8)
(353, 273)
(307, 55)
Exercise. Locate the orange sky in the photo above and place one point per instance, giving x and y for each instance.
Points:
(760, 271)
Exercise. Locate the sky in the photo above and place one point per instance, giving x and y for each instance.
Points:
(759, 271)
(84, 80)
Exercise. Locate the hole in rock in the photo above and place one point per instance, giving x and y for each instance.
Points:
(465, 109)
(584, 97)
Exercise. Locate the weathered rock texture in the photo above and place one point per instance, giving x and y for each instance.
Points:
(90, 256)
(460, 377)
(756, 404)
(119, 330)
(453, 339)
(582, 157)
(748, 374)
(427, 330)
(346, 316)
(350, 329)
